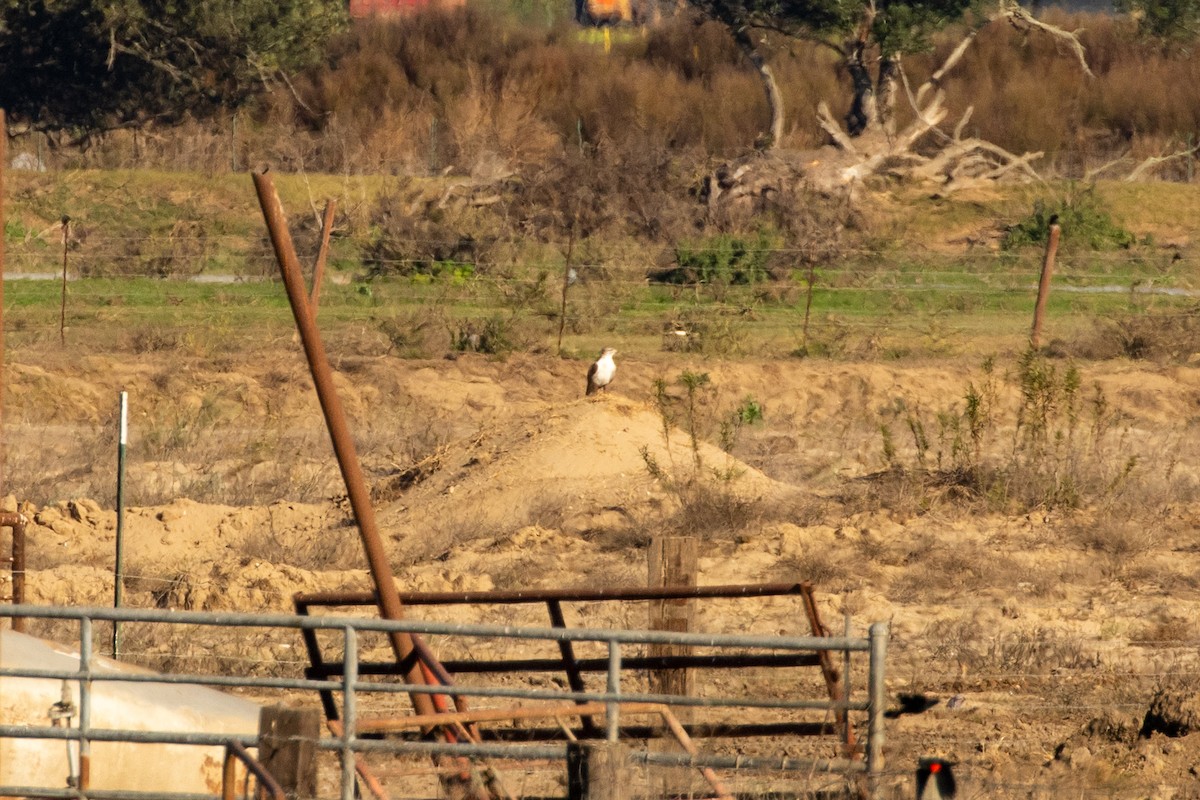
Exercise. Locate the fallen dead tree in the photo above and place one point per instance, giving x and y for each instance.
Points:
(867, 143)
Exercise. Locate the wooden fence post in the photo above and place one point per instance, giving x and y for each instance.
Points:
(287, 748)
(673, 561)
(598, 771)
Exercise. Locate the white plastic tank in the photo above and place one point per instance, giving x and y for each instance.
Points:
(48, 763)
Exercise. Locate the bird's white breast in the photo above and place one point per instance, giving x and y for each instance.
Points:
(605, 369)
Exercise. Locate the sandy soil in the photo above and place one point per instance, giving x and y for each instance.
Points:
(1044, 633)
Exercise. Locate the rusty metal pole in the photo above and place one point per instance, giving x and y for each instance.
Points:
(1039, 311)
(3, 166)
(388, 597)
(17, 522)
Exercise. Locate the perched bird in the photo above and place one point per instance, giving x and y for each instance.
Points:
(935, 779)
(601, 373)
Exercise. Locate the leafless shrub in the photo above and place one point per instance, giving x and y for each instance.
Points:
(415, 334)
(1005, 658)
(1117, 538)
(707, 510)
(1168, 630)
(1168, 336)
(331, 548)
(824, 566)
(937, 569)
(607, 191)
(1036, 650)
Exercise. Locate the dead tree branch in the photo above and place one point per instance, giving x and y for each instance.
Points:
(1157, 161)
(1020, 18)
(830, 126)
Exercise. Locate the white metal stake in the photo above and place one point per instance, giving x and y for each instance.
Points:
(122, 442)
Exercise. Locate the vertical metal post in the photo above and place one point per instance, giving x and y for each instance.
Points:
(118, 571)
(17, 522)
(876, 702)
(613, 709)
(349, 711)
(848, 732)
(322, 254)
(62, 317)
(85, 703)
(1039, 311)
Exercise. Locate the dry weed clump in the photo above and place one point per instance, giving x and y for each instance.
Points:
(828, 567)
(1121, 544)
(1166, 630)
(992, 659)
(935, 570)
(1163, 336)
(415, 334)
(334, 548)
(708, 501)
(1057, 446)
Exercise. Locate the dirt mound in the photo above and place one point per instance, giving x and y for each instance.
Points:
(571, 467)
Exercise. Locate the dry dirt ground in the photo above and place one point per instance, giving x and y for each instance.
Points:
(1054, 639)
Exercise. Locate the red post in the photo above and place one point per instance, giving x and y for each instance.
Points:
(3, 166)
(1039, 311)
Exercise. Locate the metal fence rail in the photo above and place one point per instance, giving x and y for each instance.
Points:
(351, 687)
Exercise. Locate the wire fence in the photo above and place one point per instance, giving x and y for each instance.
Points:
(872, 299)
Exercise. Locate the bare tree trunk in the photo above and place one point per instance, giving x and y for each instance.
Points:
(770, 86)
(888, 85)
(863, 110)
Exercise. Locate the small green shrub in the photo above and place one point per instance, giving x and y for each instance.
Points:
(1086, 223)
(724, 259)
(708, 500)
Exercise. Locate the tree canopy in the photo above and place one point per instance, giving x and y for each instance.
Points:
(100, 64)
(1168, 20)
(871, 38)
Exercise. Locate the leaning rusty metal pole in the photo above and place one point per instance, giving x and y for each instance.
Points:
(14, 520)
(3, 162)
(343, 444)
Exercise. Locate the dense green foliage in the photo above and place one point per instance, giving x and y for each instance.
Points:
(726, 259)
(97, 65)
(1169, 20)
(1081, 213)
